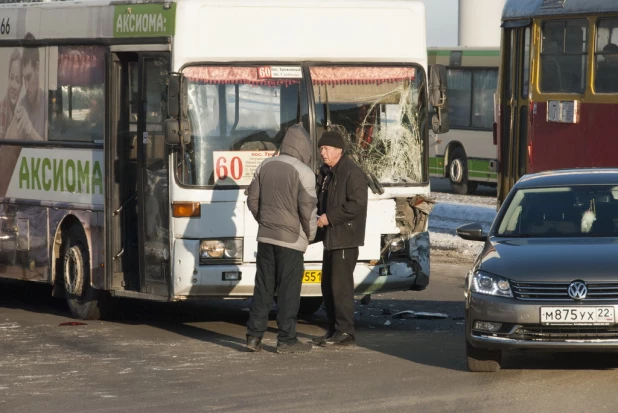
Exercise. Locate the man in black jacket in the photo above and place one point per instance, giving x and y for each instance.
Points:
(342, 211)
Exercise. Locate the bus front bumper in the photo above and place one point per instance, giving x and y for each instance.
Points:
(192, 280)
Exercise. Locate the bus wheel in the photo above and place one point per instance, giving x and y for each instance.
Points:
(83, 300)
(458, 173)
(309, 305)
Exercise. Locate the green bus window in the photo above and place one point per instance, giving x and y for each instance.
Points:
(460, 91)
(484, 87)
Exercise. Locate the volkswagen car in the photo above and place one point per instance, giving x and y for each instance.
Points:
(547, 277)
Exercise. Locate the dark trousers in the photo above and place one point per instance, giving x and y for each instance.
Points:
(278, 269)
(338, 288)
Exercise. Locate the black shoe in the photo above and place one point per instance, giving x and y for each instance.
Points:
(321, 341)
(254, 343)
(297, 347)
(341, 339)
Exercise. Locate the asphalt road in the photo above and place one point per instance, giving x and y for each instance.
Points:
(190, 358)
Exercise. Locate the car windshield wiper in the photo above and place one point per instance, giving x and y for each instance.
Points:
(515, 235)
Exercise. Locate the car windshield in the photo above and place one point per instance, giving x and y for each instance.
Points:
(566, 211)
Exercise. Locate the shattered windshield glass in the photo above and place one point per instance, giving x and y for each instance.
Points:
(565, 211)
(381, 111)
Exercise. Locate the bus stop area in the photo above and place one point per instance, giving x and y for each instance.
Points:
(191, 358)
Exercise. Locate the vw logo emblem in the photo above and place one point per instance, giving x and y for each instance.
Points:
(578, 290)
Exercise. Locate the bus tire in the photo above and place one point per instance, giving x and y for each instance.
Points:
(309, 305)
(84, 301)
(458, 173)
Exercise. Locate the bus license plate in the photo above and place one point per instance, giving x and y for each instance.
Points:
(311, 277)
(577, 315)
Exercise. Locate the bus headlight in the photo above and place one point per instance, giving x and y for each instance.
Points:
(395, 245)
(224, 249)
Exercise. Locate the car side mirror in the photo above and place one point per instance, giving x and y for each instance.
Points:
(471, 232)
(439, 100)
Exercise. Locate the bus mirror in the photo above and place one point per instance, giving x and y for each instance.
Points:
(173, 95)
(440, 122)
(439, 99)
(173, 132)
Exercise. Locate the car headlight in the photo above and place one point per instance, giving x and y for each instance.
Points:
(490, 284)
(230, 249)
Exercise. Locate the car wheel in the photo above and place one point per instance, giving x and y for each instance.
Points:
(458, 173)
(483, 360)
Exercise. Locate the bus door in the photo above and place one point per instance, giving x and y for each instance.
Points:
(515, 93)
(137, 204)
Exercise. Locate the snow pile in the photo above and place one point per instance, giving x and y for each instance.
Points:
(453, 211)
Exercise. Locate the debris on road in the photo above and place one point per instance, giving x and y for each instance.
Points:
(72, 323)
(420, 315)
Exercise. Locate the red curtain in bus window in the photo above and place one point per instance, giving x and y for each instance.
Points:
(81, 65)
(222, 75)
(337, 75)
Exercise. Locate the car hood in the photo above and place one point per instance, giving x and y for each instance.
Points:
(559, 259)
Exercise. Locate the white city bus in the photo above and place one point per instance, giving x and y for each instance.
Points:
(466, 154)
(103, 197)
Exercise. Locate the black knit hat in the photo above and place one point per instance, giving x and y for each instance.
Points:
(331, 138)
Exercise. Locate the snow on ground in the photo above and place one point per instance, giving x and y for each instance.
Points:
(450, 212)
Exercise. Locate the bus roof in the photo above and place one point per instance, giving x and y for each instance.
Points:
(370, 31)
(519, 9)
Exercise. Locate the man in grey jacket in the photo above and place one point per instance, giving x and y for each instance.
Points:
(282, 199)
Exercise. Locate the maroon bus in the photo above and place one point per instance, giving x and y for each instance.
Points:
(557, 97)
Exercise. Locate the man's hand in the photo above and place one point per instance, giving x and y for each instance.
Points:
(322, 221)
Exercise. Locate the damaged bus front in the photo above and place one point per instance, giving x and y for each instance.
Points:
(234, 116)
(382, 112)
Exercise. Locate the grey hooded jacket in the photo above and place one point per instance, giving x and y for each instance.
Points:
(282, 196)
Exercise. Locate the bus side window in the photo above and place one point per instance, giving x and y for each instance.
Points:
(606, 57)
(77, 105)
(563, 56)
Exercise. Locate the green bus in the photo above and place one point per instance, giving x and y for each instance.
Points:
(466, 154)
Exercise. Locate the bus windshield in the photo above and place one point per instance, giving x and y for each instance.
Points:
(238, 117)
(380, 111)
